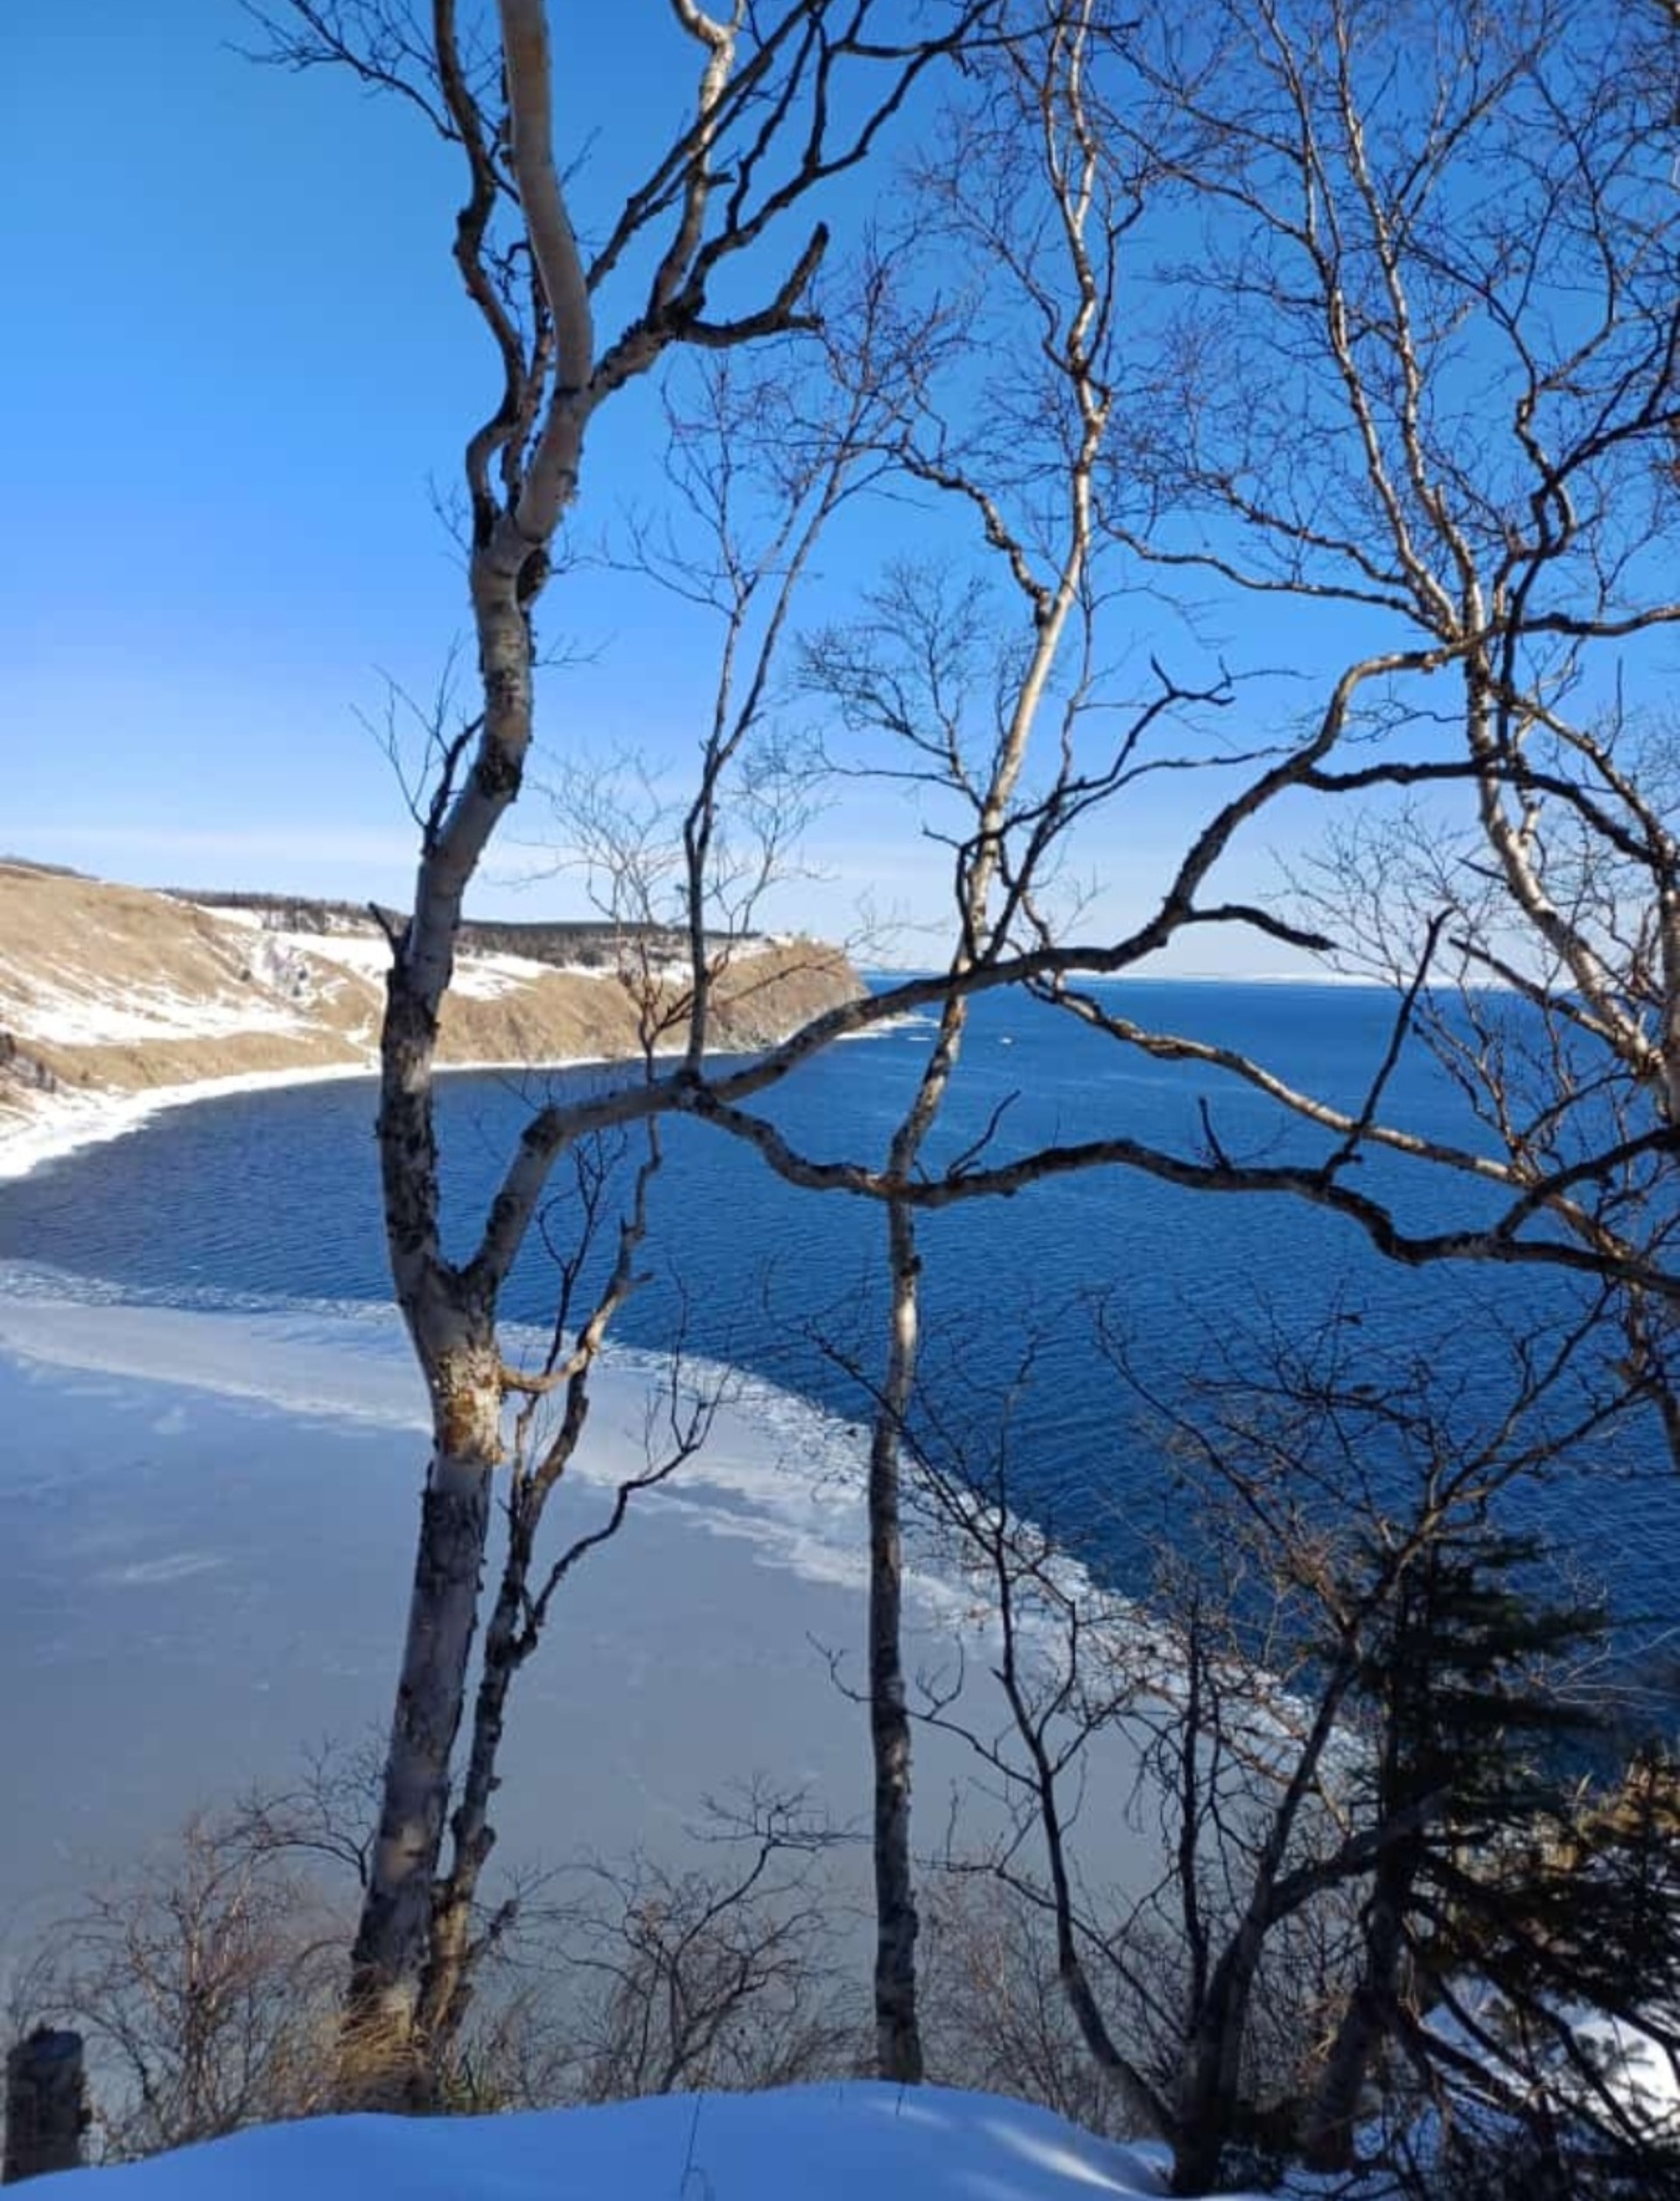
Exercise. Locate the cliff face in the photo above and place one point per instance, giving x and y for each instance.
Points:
(115, 989)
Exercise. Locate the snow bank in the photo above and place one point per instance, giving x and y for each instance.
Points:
(486, 978)
(821, 2143)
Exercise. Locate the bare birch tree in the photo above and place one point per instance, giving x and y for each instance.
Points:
(1427, 339)
(1415, 375)
(983, 693)
(780, 108)
(908, 674)
(1502, 581)
(1407, 374)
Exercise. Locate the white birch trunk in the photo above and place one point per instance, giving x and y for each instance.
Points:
(393, 1931)
(897, 2031)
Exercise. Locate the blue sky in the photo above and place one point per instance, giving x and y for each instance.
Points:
(238, 357)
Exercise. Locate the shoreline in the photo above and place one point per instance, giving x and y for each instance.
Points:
(118, 1002)
(779, 1474)
(72, 1122)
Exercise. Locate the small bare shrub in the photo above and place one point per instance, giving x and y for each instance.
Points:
(206, 1982)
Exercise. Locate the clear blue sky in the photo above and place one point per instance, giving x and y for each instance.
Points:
(237, 354)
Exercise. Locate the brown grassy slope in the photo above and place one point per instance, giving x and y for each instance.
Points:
(114, 988)
(135, 971)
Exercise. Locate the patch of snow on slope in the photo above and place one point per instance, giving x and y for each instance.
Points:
(271, 946)
(480, 975)
(1635, 2065)
(366, 953)
(1630, 2065)
(477, 977)
(485, 977)
(822, 2143)
(274, 962)
(73, 1013)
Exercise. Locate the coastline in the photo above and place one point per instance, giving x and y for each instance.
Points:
(71, 1122)
(64, 1123)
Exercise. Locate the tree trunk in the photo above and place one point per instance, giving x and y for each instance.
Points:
(382, 2041)
(451, 1317)
(1213, 2062)
(1333, 2115)
(897, 2029)
(445, 1987)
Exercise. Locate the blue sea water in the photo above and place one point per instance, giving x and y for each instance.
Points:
(270, 1201)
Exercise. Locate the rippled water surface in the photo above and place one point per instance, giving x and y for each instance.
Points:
(270, 1202)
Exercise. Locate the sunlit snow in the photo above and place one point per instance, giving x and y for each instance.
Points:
(860, 2142)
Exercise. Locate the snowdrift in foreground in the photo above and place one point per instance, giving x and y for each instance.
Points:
(860, 2142)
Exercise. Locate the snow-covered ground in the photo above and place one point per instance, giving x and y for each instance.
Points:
(860, 2142)
(487, 978)
(368, 954)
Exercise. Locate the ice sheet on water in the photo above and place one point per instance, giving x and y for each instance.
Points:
(777, 1472)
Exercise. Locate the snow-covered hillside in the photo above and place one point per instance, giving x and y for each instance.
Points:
(855, 2142)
